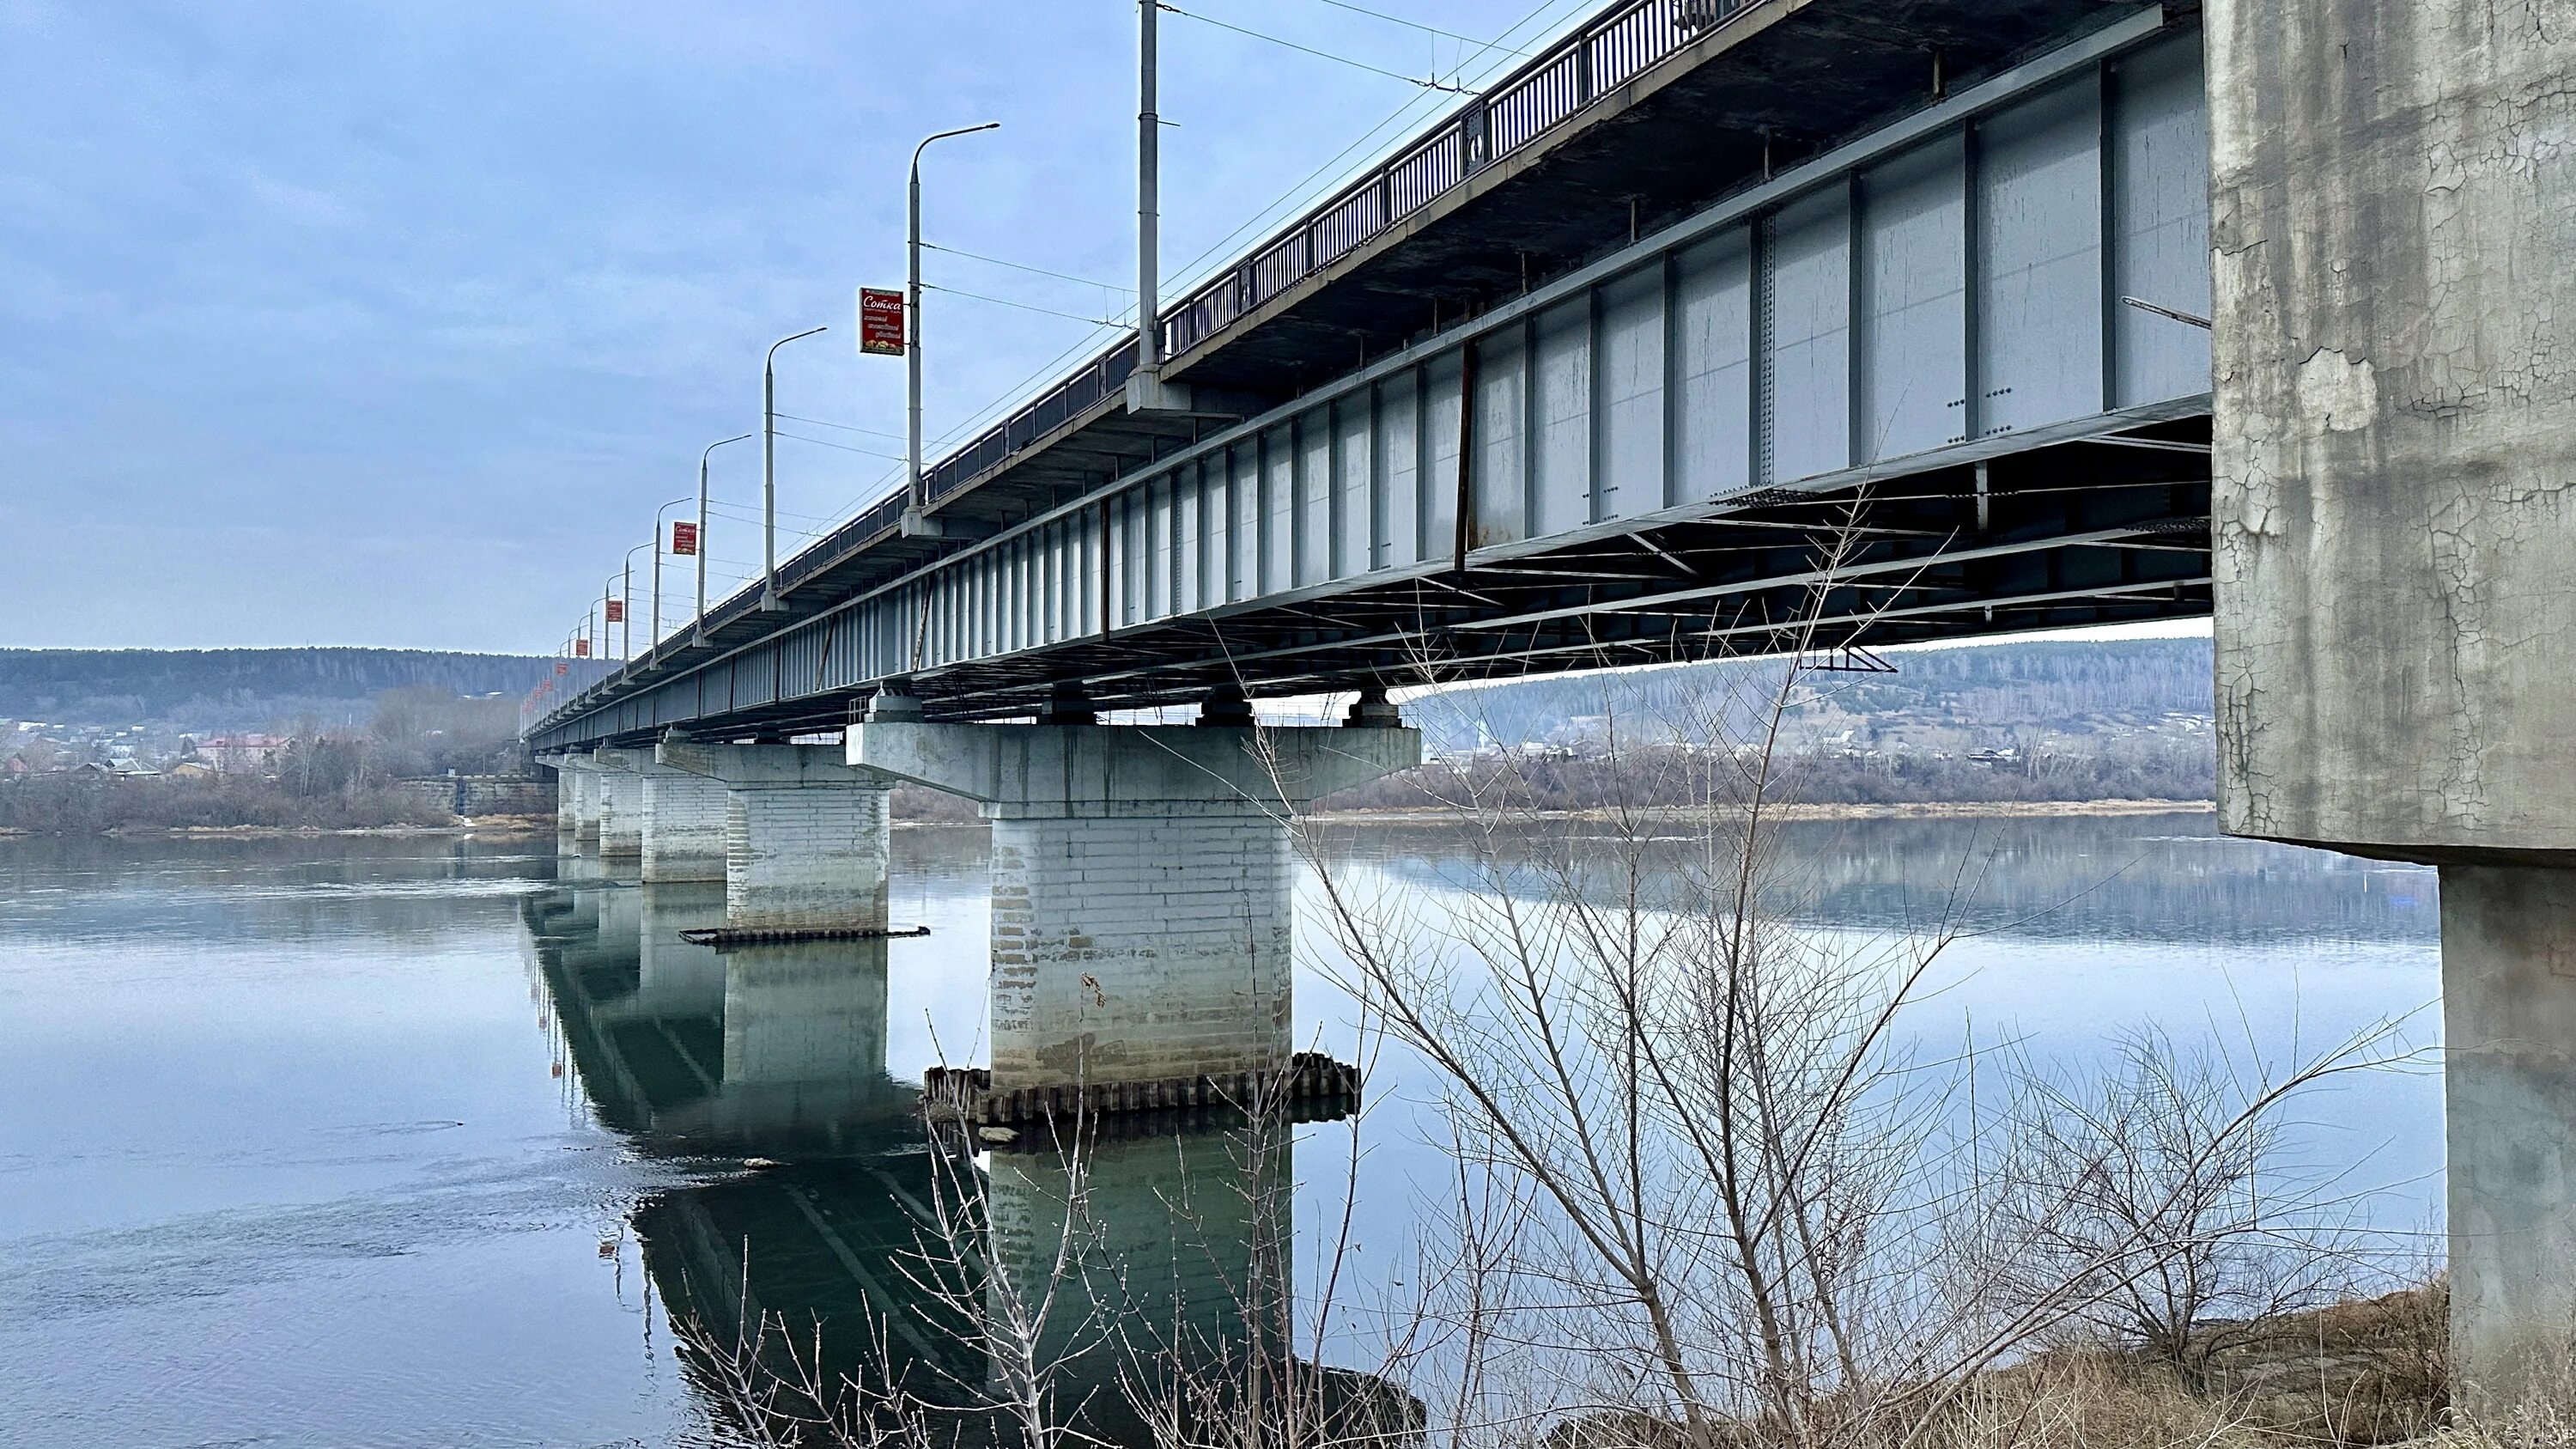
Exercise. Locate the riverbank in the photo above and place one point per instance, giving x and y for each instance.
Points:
(514, 826)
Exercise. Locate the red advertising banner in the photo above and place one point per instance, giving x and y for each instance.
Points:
(581, 649)
(617, 611)
(880, 322)
(684, 539)
(560, 668)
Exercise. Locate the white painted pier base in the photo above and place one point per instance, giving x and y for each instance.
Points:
(577, 784)
(805, 835)
(567, 797)
(1141, 881)
(684, 826)
(621, 806)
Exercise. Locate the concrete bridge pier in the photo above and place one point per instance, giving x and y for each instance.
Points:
(567, 796)
(805, 835)
(670, 820)
(682, 821)
(577, 798)
(2393, 527)
(1141, 880)
(621, 804)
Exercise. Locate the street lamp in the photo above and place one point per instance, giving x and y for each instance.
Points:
(653, 638)
(916, 520)
(699, 629)
(769, 469)
(626, 613)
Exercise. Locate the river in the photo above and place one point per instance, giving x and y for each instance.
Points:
(376, 1142)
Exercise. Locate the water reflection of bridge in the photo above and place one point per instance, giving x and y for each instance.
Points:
(765, 1067)
(2123, 877)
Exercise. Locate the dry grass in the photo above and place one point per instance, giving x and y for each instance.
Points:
(2351, 1375)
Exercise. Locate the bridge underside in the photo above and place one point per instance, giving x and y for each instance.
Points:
(1895, 394)
(2105, 528)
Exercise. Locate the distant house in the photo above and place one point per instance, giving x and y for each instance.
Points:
(191, 769)
(243, 754)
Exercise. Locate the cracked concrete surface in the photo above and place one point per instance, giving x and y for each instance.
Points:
(2394, 229)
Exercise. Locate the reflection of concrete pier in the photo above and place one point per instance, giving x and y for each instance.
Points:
(1180, 1286)
(1178, 1292)
(761, 1051)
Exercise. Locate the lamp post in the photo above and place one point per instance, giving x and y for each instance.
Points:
(1149, 207)
(916, 519)
(769, 469)
(653, 636)
(626, 601)
(699, 629)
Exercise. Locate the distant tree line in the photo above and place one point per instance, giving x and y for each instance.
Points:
(2132, 768)
(322, 778)
(244, 688)
(1994, 688)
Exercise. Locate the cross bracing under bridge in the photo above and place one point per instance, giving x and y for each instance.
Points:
(1902, 367)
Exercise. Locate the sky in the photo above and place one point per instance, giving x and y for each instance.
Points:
(392, 323)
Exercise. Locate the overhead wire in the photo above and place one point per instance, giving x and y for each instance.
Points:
(1430, 84)
(842, 447)
(1022, 306)
(1426, 29)
(1301, 189)
(845, 427)
(1025, 267)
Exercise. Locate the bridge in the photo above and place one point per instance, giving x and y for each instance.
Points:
(1895, 320)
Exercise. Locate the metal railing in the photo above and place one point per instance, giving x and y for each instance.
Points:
(1609, 51)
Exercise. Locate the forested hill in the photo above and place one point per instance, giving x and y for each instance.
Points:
(238, 688)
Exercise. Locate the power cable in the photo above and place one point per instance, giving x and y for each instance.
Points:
(1025, 267)
(1425, 29)
(1305, 187)
(1022, 306)
(1429, 85)
(845, 427)
(1296, 191)
(844, 447)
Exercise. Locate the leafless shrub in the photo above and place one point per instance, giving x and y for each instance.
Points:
(2157, 1197)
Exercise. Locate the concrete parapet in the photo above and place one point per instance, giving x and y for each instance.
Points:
(805, 835)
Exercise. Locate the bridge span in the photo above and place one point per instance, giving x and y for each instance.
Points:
(1908, 347)
(1959, 316)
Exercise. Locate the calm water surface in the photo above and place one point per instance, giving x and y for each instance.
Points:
(405, 1142)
